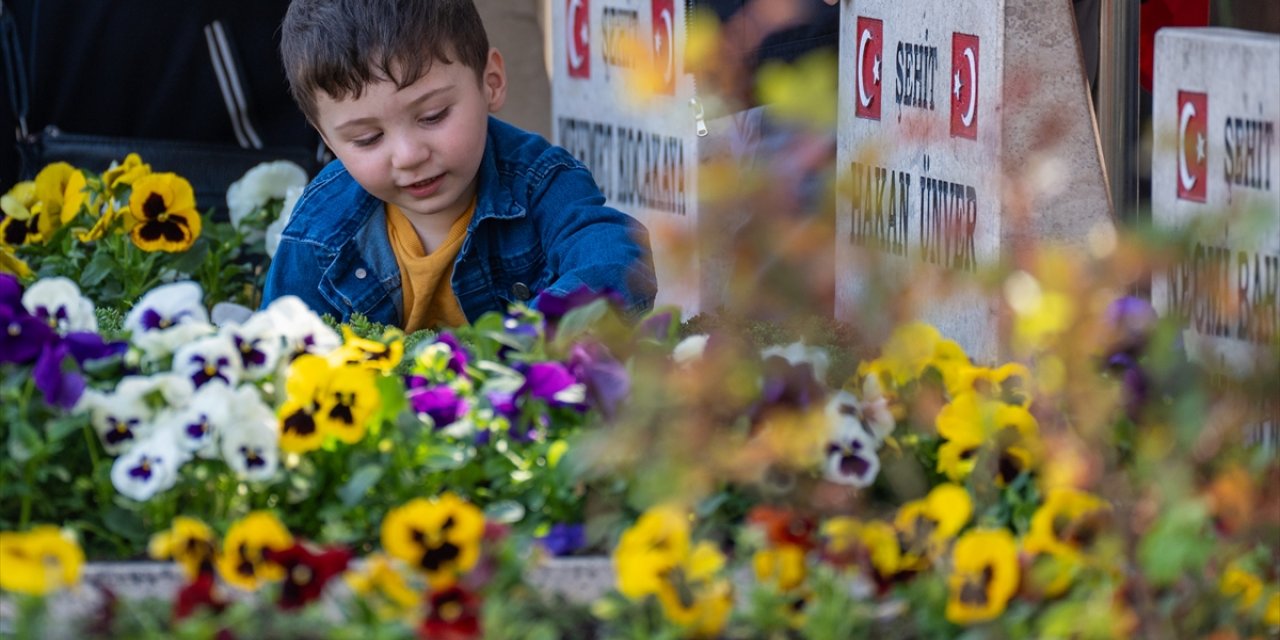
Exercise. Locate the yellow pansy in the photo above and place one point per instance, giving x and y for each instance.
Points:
(379, 583)
(909, 350)
(649, 549)
(440, 537)
(163, 206)
(1010, 383)
(243, 561)
(11, 263)
(1241, 585)
(969, 422)
(125, 173)
(925, 526)
(695, 596)
(1050, 571)
(39, 561)
(370, 354)
(79, 195)
(305, 383)
(881, 542)
(783, 565)
(1068, 521)
(111, 213)
(51, 189)
(21, 221)
(349, 399)
(984, 576)
(1271, 612)
(189, 542)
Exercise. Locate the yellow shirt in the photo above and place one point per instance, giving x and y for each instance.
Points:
(428, 296)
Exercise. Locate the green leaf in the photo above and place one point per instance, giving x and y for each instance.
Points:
(580, 320)
(190, 260)
(24, 441)
(505, 512)
(63, 427)
(445, 458)
(99, 267)
(124, 523)
(361, 481)
(1177, 544)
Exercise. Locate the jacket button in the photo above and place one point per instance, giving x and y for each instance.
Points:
(361, 273)
(520, 290)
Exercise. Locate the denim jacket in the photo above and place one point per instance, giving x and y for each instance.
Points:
(540, 226)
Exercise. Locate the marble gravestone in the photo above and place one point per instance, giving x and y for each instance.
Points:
(965, 134)
(1215, 172)
(642, 152)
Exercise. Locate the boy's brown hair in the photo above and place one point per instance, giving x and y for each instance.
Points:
(341, 46)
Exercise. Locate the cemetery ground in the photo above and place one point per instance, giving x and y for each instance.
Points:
(933, 388)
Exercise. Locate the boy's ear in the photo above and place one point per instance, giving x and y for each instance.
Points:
(494, 81)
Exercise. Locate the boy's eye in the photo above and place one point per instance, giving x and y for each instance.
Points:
(367, 140)
(433, 118)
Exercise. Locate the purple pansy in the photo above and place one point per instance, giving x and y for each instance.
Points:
(788, 385)
(440, 402)
(551, 382)
(564, 539)
(554, 306)
(458, 357)
(606, 380)
(1135, 382)
(1131, 321)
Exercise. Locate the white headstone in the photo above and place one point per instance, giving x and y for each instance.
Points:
(642, 152)
(965, 133)
(1216, 165)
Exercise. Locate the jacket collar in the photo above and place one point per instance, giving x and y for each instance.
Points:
(493, 195)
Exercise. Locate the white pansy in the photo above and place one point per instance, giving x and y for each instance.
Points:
(302, 329)
(199, 423)
(228, 313)
(150, 467)
(259, 343)
(276, 228)
(875, 408)
(873, 416)
(798, 353)
(58, 301)
(690, 349)
(120, 419)
(167, 317)
(851, 451)
(258, 187)
(209, 358)
(250, 444)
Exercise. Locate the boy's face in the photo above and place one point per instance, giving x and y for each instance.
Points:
(420, 147)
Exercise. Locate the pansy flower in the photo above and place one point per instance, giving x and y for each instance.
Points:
(439, 402)
(251, 443)
(651, 548)
(202, 592)
(300, 415)
(23, 336)
(211, 358)
(22, 217)
(11, 264)
(554, 306)
(260, 344)
(122, 174)
(243, 562)
(563, 539)
(79, 196)
(851, 449)
(39, 561)
(606, 381)
(164, 208)
(788, 385)
(783, 566)
(927, 525)
(798, 353)
(984, 576)
(552, 383)
(276, 229)
(349, 399)
(1009, 383)
(121, 418)
(378, 582)
(970, 422)
(303, 330)
(1048, 572)
(51, 189)
(370, 354)
(690, 349)
(58, 302)
(166, 318)
(256, 189)
(189, 542)
(306, 572)
(453, 613)
(440, 538)
(1069, 521)
(149, 467)
(199, 422)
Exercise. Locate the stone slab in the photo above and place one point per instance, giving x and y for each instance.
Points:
(643, 153)
(1215, 172)
(966, 136)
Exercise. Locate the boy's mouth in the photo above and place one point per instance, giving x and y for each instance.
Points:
(423, 188)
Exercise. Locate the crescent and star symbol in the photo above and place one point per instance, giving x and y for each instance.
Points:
(967, 118)
(1188, 112)
(575, 54)
(875, 68)
(669, 27)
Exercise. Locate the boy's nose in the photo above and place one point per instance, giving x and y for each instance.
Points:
(409, 153)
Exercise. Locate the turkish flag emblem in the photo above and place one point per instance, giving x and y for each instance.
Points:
(578, 38)
(1193, 134)
(964, 86)
(870, 64)
(664, 45)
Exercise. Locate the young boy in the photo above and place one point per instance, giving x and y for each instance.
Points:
(434, 212)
